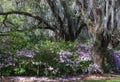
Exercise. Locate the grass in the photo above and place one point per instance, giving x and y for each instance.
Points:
(107, 80)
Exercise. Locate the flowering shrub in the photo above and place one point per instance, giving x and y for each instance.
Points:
(6, 62)
(113, 60)
(77, 60)
(93, 68)
(49, 54)
(84, 51)
(25, 52)
(46, 58)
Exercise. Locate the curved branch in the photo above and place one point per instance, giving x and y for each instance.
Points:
(5, 20)
(28, 14)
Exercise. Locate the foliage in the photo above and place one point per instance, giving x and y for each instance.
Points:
(113, 61)
(43, 58)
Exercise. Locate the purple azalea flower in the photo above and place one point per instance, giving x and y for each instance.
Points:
(26, 53)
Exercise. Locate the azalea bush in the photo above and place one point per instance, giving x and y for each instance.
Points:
(45, 58)
(113, 61)
(6, 64)
(20, 55)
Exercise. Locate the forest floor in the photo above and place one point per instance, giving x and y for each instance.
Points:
(80, 78)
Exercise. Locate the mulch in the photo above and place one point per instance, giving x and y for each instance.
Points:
(79, 78)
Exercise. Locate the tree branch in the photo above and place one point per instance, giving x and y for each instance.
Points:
(67, 15)
(5, 20)
(87, 20)
(28, 14)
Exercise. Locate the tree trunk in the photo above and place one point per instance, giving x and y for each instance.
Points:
(99, 50)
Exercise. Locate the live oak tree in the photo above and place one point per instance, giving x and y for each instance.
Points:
(102, 19)
(55, 15)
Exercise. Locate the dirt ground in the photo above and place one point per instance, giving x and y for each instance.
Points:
(79, 78)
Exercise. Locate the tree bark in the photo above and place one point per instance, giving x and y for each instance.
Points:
(99, 50)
